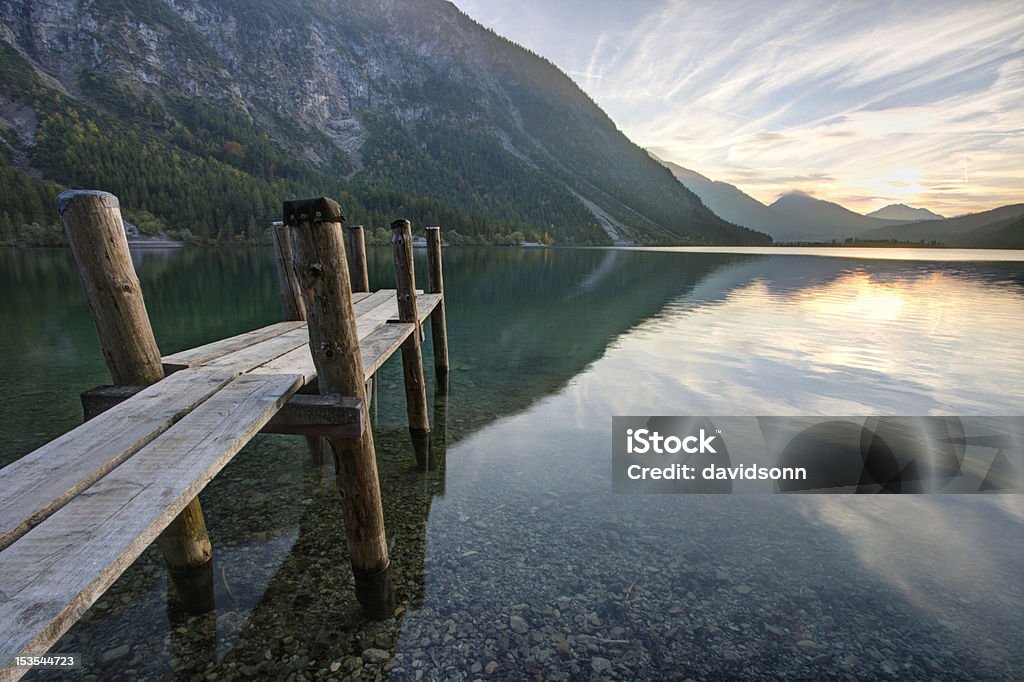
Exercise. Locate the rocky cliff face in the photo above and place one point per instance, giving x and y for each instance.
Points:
(407, 96)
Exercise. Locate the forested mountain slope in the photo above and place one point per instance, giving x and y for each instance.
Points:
(207, 113)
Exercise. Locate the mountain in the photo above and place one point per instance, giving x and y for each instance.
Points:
(799, 217)
(208, 113)
(1002, 234)
(904, 213)
(795, 216)
(987, 229)
(732, 204)
(832, 220)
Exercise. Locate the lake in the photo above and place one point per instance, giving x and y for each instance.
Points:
(514, 559)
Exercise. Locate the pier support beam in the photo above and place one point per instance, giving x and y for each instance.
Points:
(95, 231)
(360, 278)
(357, 259)
(438, 325)
(439, 440)
(291, 297)
(319, 253)
(291, 300)
(412, 356)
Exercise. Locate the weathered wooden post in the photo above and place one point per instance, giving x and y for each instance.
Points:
(360, 277)
(291, 300)
(412, 356)
(95, 231)
(438, 325)
(357, 259)
(291, 297)
(319, 253)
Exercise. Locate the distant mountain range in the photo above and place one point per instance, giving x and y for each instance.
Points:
(799, 217)
(1000, 228)
(794, 217)
(734, 205)
(830, 220)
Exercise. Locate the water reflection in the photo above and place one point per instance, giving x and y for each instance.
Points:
(691, 586)
(49, 346)
(948, 559)
(524, 322)
(514, 559)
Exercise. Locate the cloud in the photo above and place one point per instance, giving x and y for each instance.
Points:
(764, 176)
(889, 536)
(848, 91)
(584, 74)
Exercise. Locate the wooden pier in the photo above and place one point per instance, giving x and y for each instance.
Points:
(75, 513)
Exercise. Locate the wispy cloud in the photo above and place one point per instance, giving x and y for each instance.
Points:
(876, 101)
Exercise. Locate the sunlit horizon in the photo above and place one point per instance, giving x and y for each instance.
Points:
(863, 104)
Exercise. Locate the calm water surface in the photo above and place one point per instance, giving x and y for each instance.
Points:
(515, 559)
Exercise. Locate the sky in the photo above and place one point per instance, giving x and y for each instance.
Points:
(862, 103)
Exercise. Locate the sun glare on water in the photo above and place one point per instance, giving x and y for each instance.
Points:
(867, 299)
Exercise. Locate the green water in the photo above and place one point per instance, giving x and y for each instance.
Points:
(515, 560)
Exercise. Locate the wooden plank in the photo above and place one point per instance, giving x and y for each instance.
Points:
(425, 304)
(258, 341)
(382, 343)
(42, 481)
(375, 346)
(371, 319)
(310, 415)
(376, 334)
(243, 355)
(247, 359)
(374, 349)
(99, 399)
(215, 349)
(298, 361)
(389, 339)
(61, 566)
(362, 302)
(319, 415)
(385, 311)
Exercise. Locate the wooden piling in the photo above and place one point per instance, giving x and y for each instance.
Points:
(357, 259)
(95, 231)
(360, 278)
(291, 297)
(412, 356)
(291, 300)
(438, 325)
(439, 440)
(322, 270)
